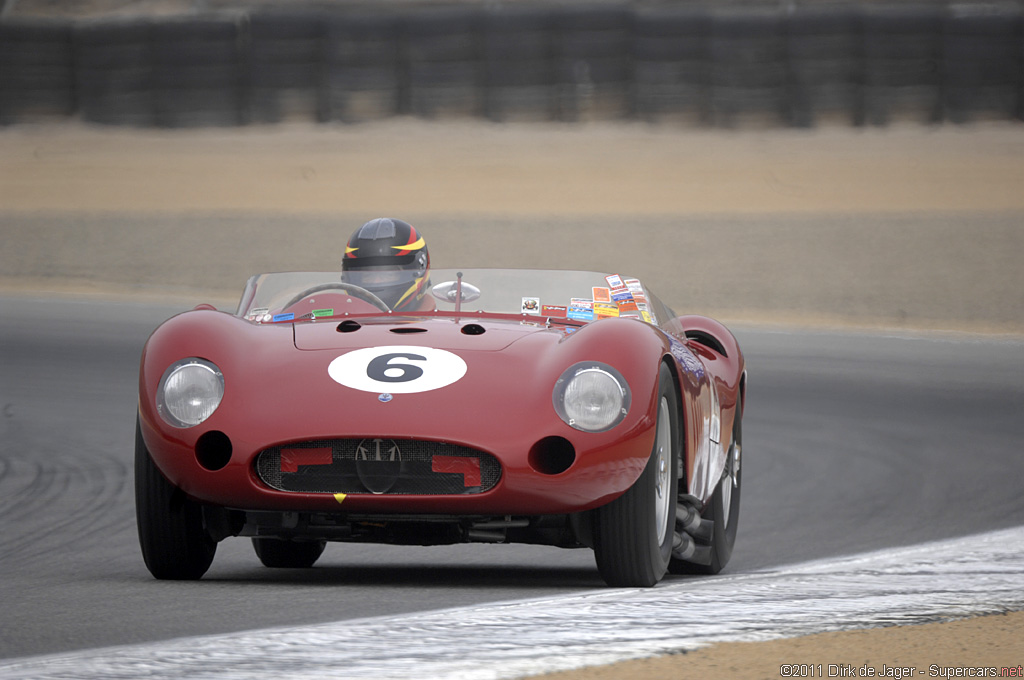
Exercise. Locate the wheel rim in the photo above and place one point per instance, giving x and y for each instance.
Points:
(731, 481)
(663, 470)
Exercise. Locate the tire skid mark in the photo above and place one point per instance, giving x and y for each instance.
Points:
(58, 502)
(974, 575)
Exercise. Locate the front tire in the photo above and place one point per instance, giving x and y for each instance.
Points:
(173, 538)
(280, 553)
(723, 512)
(633, 534)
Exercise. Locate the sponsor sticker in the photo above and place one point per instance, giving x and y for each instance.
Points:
(625, 301)
(605, 309)
(615, 281)
(557, 311)
(290, 316)
(581, 309)
(531, 305)
(257, 314)
(322, 312)
(637, 289)
(602, 294)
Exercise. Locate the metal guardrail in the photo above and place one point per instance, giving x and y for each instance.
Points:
(704, 65)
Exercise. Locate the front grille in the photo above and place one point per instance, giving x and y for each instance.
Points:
(377, 466)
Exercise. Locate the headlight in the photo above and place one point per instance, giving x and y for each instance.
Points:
(591, 396)
(189, 392)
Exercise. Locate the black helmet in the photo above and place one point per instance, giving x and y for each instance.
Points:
(389, 258)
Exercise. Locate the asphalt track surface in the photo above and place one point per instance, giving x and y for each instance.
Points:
(855, 441)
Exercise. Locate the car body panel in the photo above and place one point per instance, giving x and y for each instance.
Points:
(278, 390)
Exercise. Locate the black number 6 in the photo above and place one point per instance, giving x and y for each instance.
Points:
(376, 368)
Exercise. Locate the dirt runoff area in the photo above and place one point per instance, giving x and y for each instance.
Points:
(912, 227)
(990, 646)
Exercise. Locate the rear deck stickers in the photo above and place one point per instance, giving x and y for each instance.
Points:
(630, 297)
(531, 305)
(605, 309)
(581, 309)
(397, 369)
(554, 311)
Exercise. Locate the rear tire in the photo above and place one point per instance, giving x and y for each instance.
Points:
(173, 538)
(633, 534)
(284, 554)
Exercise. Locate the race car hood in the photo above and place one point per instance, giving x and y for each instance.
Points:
(296, 376)
(453, 334)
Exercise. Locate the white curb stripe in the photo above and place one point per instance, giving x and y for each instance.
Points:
(948, 579)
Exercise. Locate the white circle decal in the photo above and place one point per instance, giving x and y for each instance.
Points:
(397, 369)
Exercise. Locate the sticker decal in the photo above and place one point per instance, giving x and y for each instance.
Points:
(397, 369)
(601, 294)
(687, 361)
(556, 311)
(604, 309)
(322, 312)
(531, 305)
(581, 309)
(290, 316)
(257, 314)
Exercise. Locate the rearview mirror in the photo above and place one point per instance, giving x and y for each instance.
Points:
(446, 292)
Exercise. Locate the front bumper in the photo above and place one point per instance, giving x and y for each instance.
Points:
(533, 479)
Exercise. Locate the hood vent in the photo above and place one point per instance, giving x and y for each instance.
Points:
(348, 326)
(405, 329)
(473, 329)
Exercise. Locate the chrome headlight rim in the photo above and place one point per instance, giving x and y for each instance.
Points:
(621, 393)
(172, 414)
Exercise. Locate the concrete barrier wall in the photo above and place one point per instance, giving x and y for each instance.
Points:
(703, 65)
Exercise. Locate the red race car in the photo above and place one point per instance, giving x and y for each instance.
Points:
(524, 406)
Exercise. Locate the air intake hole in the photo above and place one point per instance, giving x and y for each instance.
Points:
(552, 455)
(213, 450)
(348, 326)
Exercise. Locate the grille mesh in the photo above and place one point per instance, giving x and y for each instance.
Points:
(378, 466)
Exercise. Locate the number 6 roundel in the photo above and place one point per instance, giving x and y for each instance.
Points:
(397, 369)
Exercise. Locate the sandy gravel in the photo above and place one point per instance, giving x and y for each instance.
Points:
(933, 650)
(527, 170)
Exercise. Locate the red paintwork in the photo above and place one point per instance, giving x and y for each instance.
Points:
(277, 391)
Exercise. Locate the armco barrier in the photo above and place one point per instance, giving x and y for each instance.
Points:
(825, 68)
(706, 64)
(671, 64)
(982, 55)
(114, 75)
(364, 75)
(36, 71)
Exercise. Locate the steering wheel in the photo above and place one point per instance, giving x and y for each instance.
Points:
(357, 291)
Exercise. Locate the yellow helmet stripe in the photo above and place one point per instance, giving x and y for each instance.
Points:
(412, 246)
(350, 250)
(412, 289)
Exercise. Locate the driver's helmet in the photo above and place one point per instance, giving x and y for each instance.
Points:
(389, 258)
